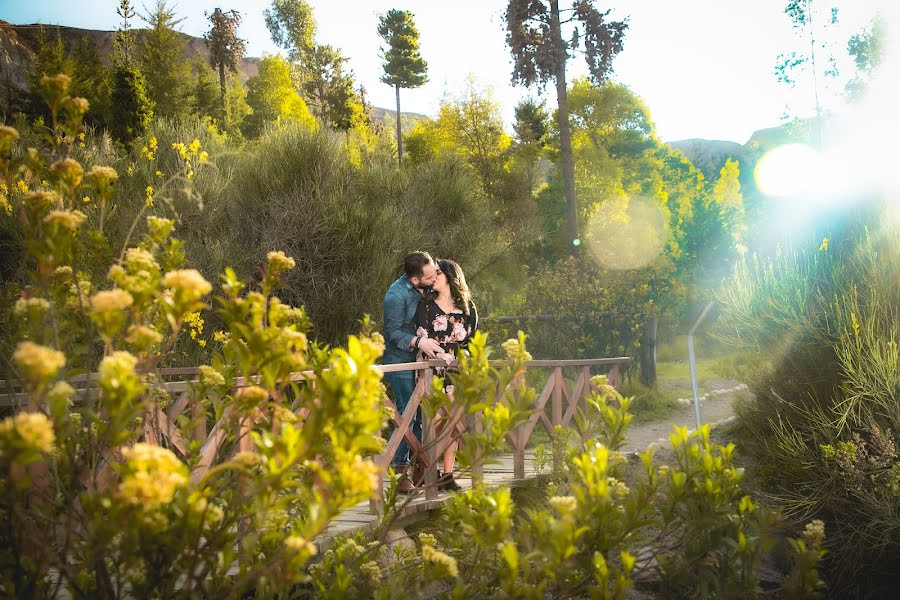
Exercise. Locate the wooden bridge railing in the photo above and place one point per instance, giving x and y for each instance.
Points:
(160, 426)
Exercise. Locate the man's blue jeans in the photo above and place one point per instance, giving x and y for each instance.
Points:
(402, 385)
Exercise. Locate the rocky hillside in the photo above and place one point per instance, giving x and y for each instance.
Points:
(710, 155)
(23, 39)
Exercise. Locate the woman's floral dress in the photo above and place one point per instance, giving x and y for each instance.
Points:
(451, 330)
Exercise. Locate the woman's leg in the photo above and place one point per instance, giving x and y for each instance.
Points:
(450, 455)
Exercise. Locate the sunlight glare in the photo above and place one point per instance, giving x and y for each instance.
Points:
(627, 235)
(788, 171)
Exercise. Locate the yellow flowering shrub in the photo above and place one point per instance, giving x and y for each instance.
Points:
(103, 489)
(150, 476)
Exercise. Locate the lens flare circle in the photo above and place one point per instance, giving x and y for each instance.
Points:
(627, 235)
(788, 171)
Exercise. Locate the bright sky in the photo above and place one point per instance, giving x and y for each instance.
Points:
(704, 67)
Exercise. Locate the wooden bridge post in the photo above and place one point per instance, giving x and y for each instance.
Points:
(198, 417)
(429, 445)
(556, 398)
(519, 453)
(648, 353)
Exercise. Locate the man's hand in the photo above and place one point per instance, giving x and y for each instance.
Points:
(430, 347)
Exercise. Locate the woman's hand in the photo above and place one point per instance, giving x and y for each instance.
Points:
(446, 357)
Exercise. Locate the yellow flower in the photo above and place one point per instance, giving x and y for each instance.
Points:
(564, 504)
(111, 300)
(251, 396)
(138, 259)
(153, 142)
(60, 392)
(5, 205)
(159, 173)
(619, 489)
(8, 135)
(514, 350)
(823, 247)
(32, 306)
(149, 200)
(204, 156)
(181, 149)
(151, 476)
(246, 458)
(220, 336)
(43, 200)
(130, 170)
(814, 533)
(22, 186)
(86, 200)
(65, 219)
(195, 146)
(69, 171)
(210, 377)
(279, 261)
(159, 228)
(599, 381)
(446, 565)
(118, 379)
(102, 174)
(38, 363)
(143, 337)
(79, 105)
(295, 543)
(29, 431)
(64, 272)
(188, 285)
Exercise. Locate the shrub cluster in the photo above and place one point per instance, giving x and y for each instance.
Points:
(824, 423)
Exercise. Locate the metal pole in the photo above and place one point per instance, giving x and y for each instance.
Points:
(693, 362)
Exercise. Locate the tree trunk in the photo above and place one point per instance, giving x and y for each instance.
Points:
(566, 161)
(222, 92)
(399, 135)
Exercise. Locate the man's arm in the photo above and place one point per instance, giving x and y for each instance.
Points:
(393, 322)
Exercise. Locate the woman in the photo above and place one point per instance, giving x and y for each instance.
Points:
(447, 315)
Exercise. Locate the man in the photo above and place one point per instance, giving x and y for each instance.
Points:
(401, 344)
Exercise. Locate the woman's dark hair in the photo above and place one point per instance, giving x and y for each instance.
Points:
(459, 289)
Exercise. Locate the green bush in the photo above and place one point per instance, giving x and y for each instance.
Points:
(592, 312)
(349, 225)
(824, 423)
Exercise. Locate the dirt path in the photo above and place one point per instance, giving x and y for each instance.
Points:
(717, 407)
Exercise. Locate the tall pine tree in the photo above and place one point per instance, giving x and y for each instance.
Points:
(162, 60)
(540, 50)
(226, 49)
(130, 109)
(403, 64)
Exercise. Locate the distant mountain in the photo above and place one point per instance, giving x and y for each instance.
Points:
(28, 35)
(710, 155)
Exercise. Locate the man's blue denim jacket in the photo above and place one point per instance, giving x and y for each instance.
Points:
(400, 303)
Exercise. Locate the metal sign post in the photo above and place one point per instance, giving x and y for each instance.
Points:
(693, 361)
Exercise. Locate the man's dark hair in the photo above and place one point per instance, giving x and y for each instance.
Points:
(413, 263)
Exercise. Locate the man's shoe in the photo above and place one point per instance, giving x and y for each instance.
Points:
(405, 484)
(448, 483)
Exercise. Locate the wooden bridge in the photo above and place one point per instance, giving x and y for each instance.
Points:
(556, 404)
